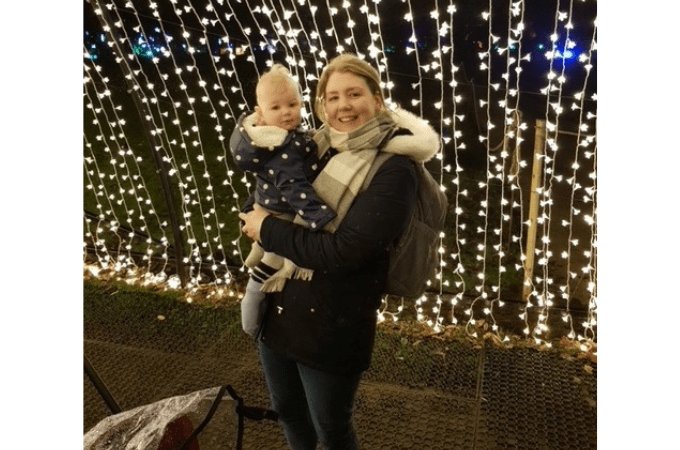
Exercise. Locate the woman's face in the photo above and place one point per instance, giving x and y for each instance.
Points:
(349, 103)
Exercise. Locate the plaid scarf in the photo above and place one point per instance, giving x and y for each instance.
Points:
(342, 177)
(340, 180)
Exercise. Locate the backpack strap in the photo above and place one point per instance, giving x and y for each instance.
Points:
(383, 156)
(377, 163)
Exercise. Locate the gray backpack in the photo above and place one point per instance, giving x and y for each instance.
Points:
(414, 255)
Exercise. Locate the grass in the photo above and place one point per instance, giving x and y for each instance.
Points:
(111, 303)
(156, 314)
(153, 313)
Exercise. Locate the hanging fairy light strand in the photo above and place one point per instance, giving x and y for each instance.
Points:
(591, 267)
(421, 303)
(574, 186)
(120, 195)
(413, 40)
(220, 87)
(130, 162)
(209, 241)
(509, 124)
(99, 190)
(149, 96)
(481, 248)
(307, 77)
(136, 185)
(380, 56)
(456, 135)
(437, 309)
(514, 130)
(544, 296)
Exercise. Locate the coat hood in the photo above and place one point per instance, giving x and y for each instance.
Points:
(421, 146)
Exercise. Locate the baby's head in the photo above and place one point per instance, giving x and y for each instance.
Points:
(279, 99)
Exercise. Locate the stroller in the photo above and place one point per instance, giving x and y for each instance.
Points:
(197, 421)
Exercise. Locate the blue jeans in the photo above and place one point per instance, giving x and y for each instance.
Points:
(312, 405)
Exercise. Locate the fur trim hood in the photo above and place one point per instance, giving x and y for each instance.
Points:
(421, 146)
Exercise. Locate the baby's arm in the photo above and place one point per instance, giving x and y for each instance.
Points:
(304, 200)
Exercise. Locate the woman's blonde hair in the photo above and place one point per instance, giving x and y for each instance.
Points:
(351, 64)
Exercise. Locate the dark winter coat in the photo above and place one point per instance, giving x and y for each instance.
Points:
(329, 323)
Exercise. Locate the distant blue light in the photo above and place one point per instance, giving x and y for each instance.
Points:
(568, 54)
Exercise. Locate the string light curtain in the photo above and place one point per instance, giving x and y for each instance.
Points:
(487, 75)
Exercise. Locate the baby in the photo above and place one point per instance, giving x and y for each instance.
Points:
(271, 144)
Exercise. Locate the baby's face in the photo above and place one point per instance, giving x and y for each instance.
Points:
(279, 104)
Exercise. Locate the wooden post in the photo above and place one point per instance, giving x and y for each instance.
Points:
(536, 176)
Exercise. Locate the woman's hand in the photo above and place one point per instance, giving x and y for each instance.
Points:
(253, 222)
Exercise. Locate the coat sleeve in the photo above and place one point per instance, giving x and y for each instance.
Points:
(375, 219)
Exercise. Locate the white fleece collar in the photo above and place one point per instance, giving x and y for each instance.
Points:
(263, 135)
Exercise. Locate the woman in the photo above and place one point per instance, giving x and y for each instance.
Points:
(317, 335)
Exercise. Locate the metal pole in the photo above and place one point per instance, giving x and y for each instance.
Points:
(536, 177)
(101, 387)
(144, 112)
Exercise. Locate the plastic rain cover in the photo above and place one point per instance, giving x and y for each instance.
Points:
(167, 424)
